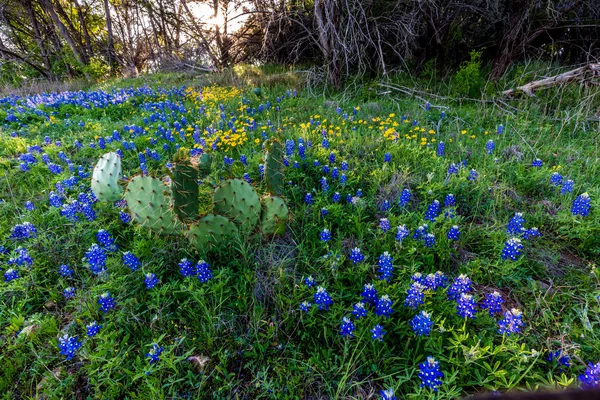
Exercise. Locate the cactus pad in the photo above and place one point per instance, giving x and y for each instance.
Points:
(106, 176)
(237, 200)
(150, 205)
(210, 231)
(274, 166)
(274, 215)
(185, 192)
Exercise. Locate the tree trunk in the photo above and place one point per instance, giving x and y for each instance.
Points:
(39, 39)
(111, 43)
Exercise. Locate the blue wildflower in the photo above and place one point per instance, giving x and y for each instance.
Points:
(336, 197)
(414, 295)
(490, 146)
(515, 225)
(356, 256)
(325, 235)
(465, 306)
(369, 294)
(322, 298)
(385, 266)
(305, 306)
(154, 353)
(203, 271)
(124, 217)
(462, 284)
(384, 224)
(68, 345)
(556, 179)
(567, 186)
(186, 267)
(11, 274)
(441, 149)
(429, 240)
(421, 324)
(96, 259)
(384, 306)
(512, 249)
(69, 293)
(130, 261)
(493, 303)
(511, 323)
(581, 205)
(387, 157)
(433, 211)
(309, 281)
(430, 374)
(434, 281)
(387, 394)
(405, 198)
(106, 302)
(402, 232)
(65, 271)
(452, 169)
(453, 233)
(359, 310)
(347, 327)
(590, 377)
(473, 175)
(377, 333)
(92, 329)
(450, 200)
(308, 198)
(106, 240)
(151, 281)
(558, 356)
(537, 163)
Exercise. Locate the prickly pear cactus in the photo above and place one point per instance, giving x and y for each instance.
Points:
(185, 192)
(106, 176)
(274, 216)
(210, 231)
(204, 163)
(274, 166)
(238, 201)
(149, 203)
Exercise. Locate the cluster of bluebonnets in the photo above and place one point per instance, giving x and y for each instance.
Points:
(76, 204)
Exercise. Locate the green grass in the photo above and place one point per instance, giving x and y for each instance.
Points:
(245, 325)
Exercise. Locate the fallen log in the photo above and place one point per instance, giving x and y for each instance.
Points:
(579, 74)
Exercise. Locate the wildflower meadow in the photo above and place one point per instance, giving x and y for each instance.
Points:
(206, 241)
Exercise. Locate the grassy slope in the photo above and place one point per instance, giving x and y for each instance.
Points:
(246, 320)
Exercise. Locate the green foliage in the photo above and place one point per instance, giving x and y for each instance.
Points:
(468, 80)
(185, 192)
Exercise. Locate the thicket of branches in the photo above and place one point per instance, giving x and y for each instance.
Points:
(58, 39)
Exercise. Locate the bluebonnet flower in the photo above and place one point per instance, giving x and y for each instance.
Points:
(332, 158)
(590, 377)
(55, 200)
(441, 149)
(384, 224)
(325, 143)
(65, 271)
(450, 200)
(402, 233)
(465, 306)
(130, 261)
(369, 294)
(96, 259)
(421, 324)
(581, 205)
(151, 281)
(68, 345)
(562, 359)
(325, 169)
(69, 293)
(106, 240)
(359, 310)
(343, 179)
(414, 295)
(429, 240)
(473, 175)
(385, 206)
(500, 129)
(490, 146)
(556, 179)
(29, 206)
(349, 198)
(434, 281)
(418, 277)
(452, 169)
(347, 327)
(92, 329)
(433, 211)
(11, 274)
(309, 281)
(261, 170)
(324, 184)
(55, 168)
(336, 197)
(244, 159)
(344, 166)
(512, 249)
(420, 232)
(387, 157)
(308, 198)
(531, 233)
(305, 306)
(22, 258)
(124, 217)
(322, 298)
(106, 302)
(324, 212)
(247, 177)
(515, 225)
(454, 233)
(325, 235)
(462, 284)
(377, 333)
(203, 271)
(430, 374)
(385, 266)
(387, 394)
(537, 163)
(493, 303)
(22, 231)
(356, 256)
(186, 267)
(567, 186)
(405, 198)
(154, 353)
(24, 167)
(511, 323)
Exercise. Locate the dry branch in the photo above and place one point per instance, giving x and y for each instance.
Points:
(578, 74)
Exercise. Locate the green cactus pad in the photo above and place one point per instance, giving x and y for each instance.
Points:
(212, 230)
(185, 192)
(106, 176)
(274, 166)
(238, 201)
(150, 205)
(204, 164)
(274, 216)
